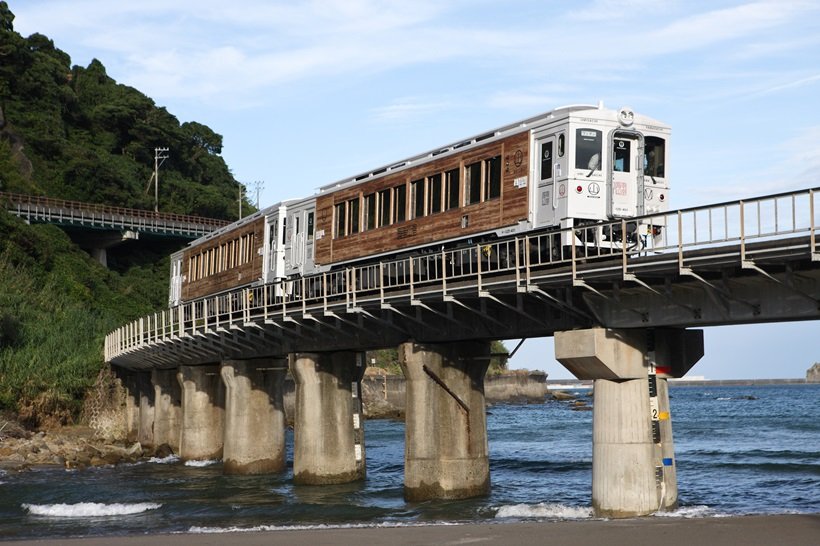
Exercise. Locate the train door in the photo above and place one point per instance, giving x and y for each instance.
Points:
(274, 262)
(549, 168)
(626, 175)
(175, 291)
(299, 239)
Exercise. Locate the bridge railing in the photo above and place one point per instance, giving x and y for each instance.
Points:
(61, 210)
(556, 257)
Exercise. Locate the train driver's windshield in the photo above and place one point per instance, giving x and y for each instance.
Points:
(654, 157)
(588, 150)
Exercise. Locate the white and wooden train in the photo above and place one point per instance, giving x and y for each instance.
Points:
(570, 167)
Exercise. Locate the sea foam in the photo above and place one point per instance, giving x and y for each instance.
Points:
(258, 528)
(544, 510)
(201, 463)
(89, 509)
(164, 460)
(699, 511)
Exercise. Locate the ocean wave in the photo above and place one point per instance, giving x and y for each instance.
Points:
(259, 528)
(698, 511)
(164, 460)
(198, 464)
(89, 509)
(544, 510)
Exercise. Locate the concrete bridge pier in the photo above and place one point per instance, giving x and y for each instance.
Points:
(328, 428)
(132, 404)
(145, 392)
(254, 416)
(446, 452)
(633, 465)
(167, 408)
(203, 413)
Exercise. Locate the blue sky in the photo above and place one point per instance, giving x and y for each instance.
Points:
(309, 92)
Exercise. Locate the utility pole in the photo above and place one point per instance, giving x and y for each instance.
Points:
(259, 184)
(241, 192)
(160, 155)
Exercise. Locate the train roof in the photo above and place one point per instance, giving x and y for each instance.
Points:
(464, 144)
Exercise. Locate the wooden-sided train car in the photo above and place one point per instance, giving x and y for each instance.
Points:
(572, 166)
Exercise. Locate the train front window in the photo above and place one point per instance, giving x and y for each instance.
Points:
(588, 149)
(621, 155)
(654, 156)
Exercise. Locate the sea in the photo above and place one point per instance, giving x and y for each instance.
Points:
(739, 450)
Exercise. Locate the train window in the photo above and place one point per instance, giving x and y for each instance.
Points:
(369, 211)
(353, 215)
(434, 193)
(417, 198)
(472, 183)
(296, 221)
(546, 160)
(384, 207)
(341, 221)
(451, 184)
(561, 140)
(310, 226)
(621, 155)
(588, 149)
(399, 203)
(492, 173)
(654, 156)
(285, 227)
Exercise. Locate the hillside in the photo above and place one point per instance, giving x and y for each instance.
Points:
(74, 133)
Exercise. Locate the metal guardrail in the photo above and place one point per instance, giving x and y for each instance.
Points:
(514, 265)
(60, 211)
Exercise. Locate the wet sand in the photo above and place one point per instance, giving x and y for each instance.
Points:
(791, 530)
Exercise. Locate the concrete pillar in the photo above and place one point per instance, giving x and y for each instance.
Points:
(633, 468)
(167, 408)
(203, 413)
(445, 452)
(132, 405)
(254, 416)
(328, 428)
(145, 428)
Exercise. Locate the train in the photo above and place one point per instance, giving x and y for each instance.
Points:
(570, 167)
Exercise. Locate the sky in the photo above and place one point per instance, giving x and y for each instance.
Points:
(306, 93)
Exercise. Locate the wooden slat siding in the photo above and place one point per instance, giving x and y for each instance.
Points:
(512, 206)
(230, 278)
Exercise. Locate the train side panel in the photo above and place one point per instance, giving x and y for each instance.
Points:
(230, 260)
(461, 221)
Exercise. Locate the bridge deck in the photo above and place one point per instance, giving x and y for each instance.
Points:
(737, 262)
(94, 216)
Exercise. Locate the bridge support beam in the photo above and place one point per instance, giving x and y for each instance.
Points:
(254, 416)
(328, 428)
(633, 465)
(167, 408)
(145, 392)
(446, 452)
(203, 413)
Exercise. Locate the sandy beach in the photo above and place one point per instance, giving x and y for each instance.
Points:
(791, 530)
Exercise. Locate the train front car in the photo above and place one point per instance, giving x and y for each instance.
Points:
(598, 165)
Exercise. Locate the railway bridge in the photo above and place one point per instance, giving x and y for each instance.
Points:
(206, 377)
(97, 227)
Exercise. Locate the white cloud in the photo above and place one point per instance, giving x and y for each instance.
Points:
(408, 107)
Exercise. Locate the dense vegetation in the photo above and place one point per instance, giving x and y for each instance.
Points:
(74, 133)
